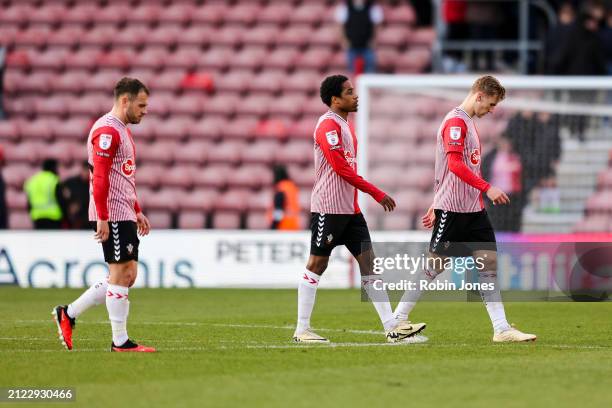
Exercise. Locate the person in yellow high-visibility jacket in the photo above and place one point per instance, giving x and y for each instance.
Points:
(44, 197)
(285, 211)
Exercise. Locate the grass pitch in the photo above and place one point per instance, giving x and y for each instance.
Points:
(227, 348)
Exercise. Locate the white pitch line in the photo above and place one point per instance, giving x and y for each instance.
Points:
(266, 326)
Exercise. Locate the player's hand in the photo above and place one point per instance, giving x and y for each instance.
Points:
(429, 219)
(143, 224)
(497, 196)
(388, 203)
(102, 231)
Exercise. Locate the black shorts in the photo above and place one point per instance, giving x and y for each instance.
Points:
(460, 234)
(122, 243)
(330, 230)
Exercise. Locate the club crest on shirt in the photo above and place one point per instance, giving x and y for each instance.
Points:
(455, 132)
(332, 137)
(128, 167)
(130, 248)
(105, 141)
(475, 157)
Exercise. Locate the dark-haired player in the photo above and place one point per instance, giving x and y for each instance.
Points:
(336, 218)
(114, 209)
(461, 226)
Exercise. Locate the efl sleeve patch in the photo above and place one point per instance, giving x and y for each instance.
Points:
(455, 132)
(332, 137)
(105, 141)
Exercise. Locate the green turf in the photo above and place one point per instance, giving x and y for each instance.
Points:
(204, 361)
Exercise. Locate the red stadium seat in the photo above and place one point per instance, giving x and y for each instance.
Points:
(17, 13)
(233, 200)
(395, 35)
(145, 131)
(256, 105)
(226, 152)
(90, 104)
(20, 220)
(67, 36)
(403, 14)
(37, 35)
(214, 176)
(226, 220)
(167, 35)
(221, 104)
(131, 35)
(210, 13)
(191, 220)
(18, 59)
(197, 34)
(423, 36)
(81, 13)
(271, 129)
(605, 179)
(52, 58)
(218, 57)
(16, 175)
(158, 152)
(263, 152)
(262, 35)
(23, 152)
(303, 129)
(147, 13)
(252, 176)
(258, 220)
(241, 128)
(86, 58)
(261, 201)
(99, 35)
(192, 152)
(164, 199)
(420, 178)
(207, 128)
(200, 200)
(16, 199)
(148, 175)
(153, 57)
(175, 130)
(310, 13)
(267, 81)
(296, 151)
(288, 105)
(326, 35)
(302, 176)
(160, 219)
(252, 57)
(39, 130)
(295, 35)
(275, 13)
(233, 81)
(229, 35)
(243, 13)
(180, 13)
(315, 58)
(9, 131)
(188, 104)
(115, 12)
(179, 175)
(71, 81)
(185, 57)
(73, 129)
(414, 60)
(37, 81)
(302, 81)
(282, 58)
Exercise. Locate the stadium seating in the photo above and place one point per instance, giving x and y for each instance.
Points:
(209, 142)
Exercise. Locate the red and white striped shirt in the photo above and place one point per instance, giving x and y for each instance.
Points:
(336, 178)
(458, 184)
(112, 188)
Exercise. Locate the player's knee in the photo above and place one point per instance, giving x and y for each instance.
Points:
(489, 263)
(317, 265)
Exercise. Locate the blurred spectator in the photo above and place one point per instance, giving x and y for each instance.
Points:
(558, 34)
(502, 166)
(455, 16)
(3, 206)
(606, 39)
(75, 194)
(582, 50)
(484, 19)
(359, 19)
(285, 212)
(44, 197)
(423, 11)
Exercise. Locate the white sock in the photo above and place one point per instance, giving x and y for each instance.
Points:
(307, 291)
(410, 297)
(118, 308)
(492, 301)
(380, 300)
(91, 297)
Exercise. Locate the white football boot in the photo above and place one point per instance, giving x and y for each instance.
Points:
(512, 335)
(308, 336)
(403, 330)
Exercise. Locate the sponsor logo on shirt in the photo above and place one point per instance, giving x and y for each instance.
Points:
(350, 159)
(332, 137)
(455, 132)
(128, 167)
(105, 141)
(475, 157)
